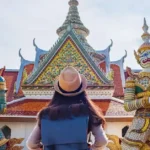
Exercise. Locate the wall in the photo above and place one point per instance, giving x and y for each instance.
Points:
(23, 130)
(115, 128)
(20, 130)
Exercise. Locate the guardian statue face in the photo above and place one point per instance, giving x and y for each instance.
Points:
(144, 59)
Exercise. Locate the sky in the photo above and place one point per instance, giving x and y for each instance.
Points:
(23, 20)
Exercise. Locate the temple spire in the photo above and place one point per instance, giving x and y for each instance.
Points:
(73, 18)
(145, 35)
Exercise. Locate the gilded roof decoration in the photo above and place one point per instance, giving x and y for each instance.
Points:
(68, 55)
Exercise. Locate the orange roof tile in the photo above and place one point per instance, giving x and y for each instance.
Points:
(32, 107)
(10, 78)
(29, 68)
(103, 66)
(117, 81)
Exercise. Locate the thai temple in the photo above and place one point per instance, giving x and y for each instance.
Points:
(25, 91)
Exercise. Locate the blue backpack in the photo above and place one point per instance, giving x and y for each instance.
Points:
(67, 134)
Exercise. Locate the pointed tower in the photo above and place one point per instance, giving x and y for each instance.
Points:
(146, 38)
(73, 18)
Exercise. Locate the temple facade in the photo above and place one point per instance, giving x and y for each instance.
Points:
(30, 88)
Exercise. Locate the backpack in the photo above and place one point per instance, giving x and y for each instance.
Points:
(67, 134)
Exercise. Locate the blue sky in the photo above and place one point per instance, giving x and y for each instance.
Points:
(23, 20)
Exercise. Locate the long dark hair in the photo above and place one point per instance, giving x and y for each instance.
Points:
(61, 107)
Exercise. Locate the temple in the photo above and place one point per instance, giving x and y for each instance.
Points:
(30, 88)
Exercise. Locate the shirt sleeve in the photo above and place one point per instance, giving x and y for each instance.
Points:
(33, 141)
(101, 139)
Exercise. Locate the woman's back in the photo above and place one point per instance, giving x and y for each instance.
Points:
(69, 117)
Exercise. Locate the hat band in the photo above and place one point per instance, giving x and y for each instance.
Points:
(77, 90)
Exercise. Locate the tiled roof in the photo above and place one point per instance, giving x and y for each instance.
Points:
(29, 68)
(117, 109)
(117, 81)
(103, 66)
(32, 106)
(10, 78)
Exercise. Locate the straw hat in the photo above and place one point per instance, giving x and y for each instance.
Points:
(70, 82)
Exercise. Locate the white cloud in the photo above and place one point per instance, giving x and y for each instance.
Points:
(21, 21)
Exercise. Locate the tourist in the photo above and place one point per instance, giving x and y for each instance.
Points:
(65, 123)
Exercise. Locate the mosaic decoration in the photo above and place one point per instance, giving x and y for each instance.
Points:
(24, 76)
(68, 55)
(110, 75)
(2, 95)
(137, 95)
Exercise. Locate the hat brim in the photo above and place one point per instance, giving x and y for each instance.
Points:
(84, 86)
(3, 141)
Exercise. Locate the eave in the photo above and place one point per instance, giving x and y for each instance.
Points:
(33, 118)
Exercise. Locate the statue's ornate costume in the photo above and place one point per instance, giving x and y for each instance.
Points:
(137, 97)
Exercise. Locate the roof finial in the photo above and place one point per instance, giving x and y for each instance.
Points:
(146, 35)
(146, 38)
(145, 26)
(73, 3)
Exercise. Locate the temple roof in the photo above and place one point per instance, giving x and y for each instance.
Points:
(73, 18)
(75, 32)
(71, 34)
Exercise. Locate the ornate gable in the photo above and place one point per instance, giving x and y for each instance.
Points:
(68, 55)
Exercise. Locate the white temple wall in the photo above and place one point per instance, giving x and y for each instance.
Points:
(23, 129)
(20, 130)
(115, 128)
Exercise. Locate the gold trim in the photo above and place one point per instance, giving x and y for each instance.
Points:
(137, 57)
(132, 143)
(146, 125)
(130, 85)
(144, 74)
(3, 141)
(143, 48)
(143, 94)
(145, 101)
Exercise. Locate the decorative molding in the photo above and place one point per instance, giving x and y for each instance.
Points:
(93, 94)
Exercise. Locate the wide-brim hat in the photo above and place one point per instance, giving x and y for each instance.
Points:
(70, 82)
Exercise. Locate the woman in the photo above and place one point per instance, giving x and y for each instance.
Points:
(69, 103)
